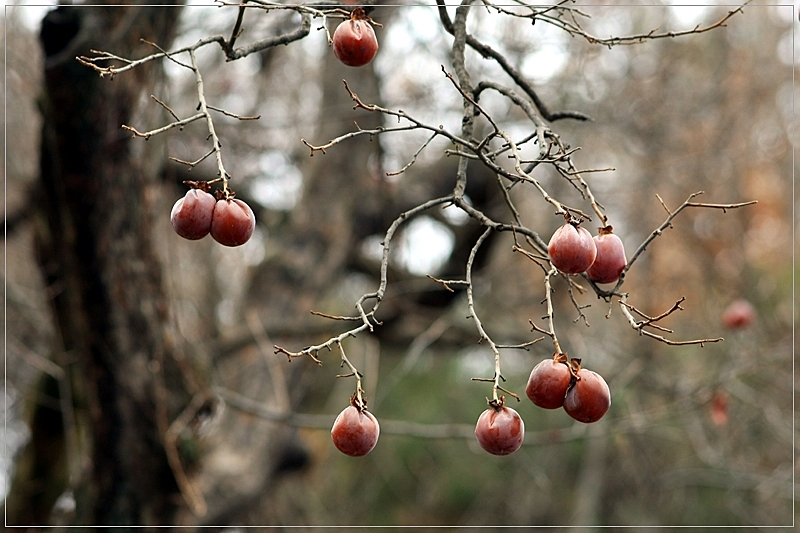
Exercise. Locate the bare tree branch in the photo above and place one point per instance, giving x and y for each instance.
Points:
(488, 52)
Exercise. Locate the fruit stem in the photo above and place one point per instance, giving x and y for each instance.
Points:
(204, 186)
(357, 400)
(497, 375)
(481, 331)
(497, 403)
(606, 230)
(574, 366)
(573, 219)
(359, 14)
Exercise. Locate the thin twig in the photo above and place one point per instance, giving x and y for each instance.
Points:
(672, 214)
(178, 124)
(192, 164)
(639, 325)
(446, 283)
(233, 115)
(165, 106)
(192, 496)
(488, 52)
(414, 158)
(367, 317)
(573, 27)
(548, 299)
(498, 376)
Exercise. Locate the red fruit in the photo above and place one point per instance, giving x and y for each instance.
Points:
(355, 432)
(610, 260)
(191, 215)
(739, 314)
(589, 398)
(354, 41)
(572, 249)
(548, 384)
(233, 222)
(500, 430)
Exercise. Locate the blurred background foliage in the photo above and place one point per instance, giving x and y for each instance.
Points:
(695, 435)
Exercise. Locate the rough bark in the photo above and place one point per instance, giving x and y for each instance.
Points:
(94, 246)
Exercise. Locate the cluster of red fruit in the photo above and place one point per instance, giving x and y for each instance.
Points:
(229, 221)
(354, 41)
(554, 383)
(573, 250)
(561, 382)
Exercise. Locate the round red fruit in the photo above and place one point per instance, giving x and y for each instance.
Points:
(572, 249)
(500, 430)
(355, 432)
(589, 398)
(548, 384)
(739, 314)
(610, 260)
(354, 41)
(191, 215)
(233, 222)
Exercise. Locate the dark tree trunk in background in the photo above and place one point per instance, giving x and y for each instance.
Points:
(95, 250)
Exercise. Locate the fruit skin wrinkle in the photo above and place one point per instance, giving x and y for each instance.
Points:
(191, 215)
(233, 222)
(571, 249)
(589, 398)
(610, 260)
(500, 431)
(354, 40)
(548, 384)
(355, 432)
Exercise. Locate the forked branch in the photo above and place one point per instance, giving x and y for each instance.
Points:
(672, 214)
(651, 322)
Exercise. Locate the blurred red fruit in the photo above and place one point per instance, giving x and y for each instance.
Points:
(719, 408)
(739, 314)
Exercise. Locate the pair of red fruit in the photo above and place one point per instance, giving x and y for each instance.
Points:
(573, 250)
(229, 221)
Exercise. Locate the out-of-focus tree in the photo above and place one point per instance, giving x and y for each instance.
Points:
(205, 423)
(110, 402)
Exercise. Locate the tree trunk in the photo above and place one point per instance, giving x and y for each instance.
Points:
(95, 251)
